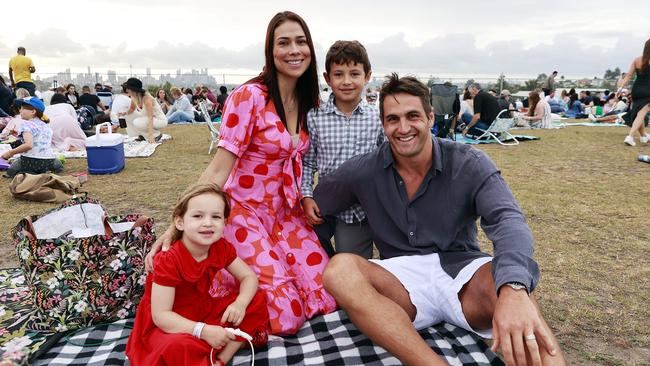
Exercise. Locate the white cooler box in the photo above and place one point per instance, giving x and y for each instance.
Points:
(105, 151)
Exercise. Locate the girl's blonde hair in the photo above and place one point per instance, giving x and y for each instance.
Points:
(175, 91)
(199, 189)
(39, 114)
(22, 93)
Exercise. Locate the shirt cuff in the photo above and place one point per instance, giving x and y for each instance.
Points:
(514, 274)
(231, 147)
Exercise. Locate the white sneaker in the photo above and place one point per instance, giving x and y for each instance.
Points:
(644, 139)
(592, 118)
(629, 140)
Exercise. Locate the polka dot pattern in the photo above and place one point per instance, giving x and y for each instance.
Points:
(267, 225)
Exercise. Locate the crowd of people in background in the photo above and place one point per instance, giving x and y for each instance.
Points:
(73, 115)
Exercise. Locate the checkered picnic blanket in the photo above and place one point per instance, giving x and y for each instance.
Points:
(329, 339)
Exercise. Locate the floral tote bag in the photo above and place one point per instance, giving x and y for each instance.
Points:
(82, 267)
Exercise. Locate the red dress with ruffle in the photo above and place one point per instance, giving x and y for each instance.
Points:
(197, 299)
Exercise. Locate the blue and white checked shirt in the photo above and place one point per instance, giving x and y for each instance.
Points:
(335, 138)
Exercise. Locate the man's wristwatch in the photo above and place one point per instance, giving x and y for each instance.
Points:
(517, 286)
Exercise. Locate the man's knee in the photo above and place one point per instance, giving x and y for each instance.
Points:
(340, 270)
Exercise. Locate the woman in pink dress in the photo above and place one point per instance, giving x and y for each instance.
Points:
(258, 162)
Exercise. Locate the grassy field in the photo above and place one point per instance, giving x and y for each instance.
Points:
(584, 194)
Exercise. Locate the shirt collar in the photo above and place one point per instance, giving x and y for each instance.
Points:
(330, 106)
(387, 155)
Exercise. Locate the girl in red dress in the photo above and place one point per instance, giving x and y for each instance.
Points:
(182, 315)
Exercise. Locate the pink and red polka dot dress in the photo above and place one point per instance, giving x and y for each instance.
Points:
(267, 224)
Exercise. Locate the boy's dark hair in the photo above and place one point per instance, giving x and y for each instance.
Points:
(346, 52)
(223, 89)
(408, 85)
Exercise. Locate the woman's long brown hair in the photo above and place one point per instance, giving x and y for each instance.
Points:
(307, 86)
(533, 98)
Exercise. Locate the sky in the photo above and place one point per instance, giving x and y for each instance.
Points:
(439, 38)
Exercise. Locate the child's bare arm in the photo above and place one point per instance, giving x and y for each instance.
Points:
(247, 289)
(24, 147)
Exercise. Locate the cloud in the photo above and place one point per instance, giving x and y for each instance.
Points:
(50, 42)
(459, 54)
(453, 53)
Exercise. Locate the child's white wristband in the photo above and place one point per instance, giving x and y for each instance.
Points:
(198, 328)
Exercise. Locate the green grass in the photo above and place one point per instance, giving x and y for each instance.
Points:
(585, 196)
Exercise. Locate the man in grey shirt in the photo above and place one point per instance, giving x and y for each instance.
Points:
(422, 196)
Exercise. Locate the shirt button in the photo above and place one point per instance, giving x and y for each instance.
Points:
(279, 234)
(411, 233)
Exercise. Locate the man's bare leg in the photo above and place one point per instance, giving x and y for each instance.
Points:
(379, 306)
(478, 299)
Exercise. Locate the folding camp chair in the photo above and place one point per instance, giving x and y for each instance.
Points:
(212, 126)
(446, 106)
(497, 128)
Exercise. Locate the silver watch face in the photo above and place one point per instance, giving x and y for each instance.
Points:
(516, 286)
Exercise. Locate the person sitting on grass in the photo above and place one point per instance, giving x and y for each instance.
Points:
(486, 109)
(180, 320)
(67, 134)
(614, 110)
(182, 110)
(144, 118)
(36, 152)
(13, 126)
(422, 196)
(574, 107)
(539, 112)
(163, 99)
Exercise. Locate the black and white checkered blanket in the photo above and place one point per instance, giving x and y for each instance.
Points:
(331, 339)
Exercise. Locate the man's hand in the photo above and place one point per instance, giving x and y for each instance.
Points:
(518, 329)
(163, 242)
(312, 211)
(465, 130)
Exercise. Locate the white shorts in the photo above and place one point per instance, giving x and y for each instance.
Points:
(432, 291)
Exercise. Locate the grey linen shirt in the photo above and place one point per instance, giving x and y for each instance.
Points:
(462, 185)
(335, 138)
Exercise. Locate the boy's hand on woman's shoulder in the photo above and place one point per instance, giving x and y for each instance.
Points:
(312, 212)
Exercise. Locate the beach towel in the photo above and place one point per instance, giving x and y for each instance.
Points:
(470, 141)
(596, 124)
(132, 149)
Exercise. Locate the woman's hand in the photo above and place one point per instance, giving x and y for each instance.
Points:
(7, 155)
(163, 242)
(234, 313)
(150, 138)
(216, 336)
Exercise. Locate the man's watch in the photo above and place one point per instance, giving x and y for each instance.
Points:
(517, 286)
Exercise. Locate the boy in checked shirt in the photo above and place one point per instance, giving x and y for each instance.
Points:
(342, 127)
